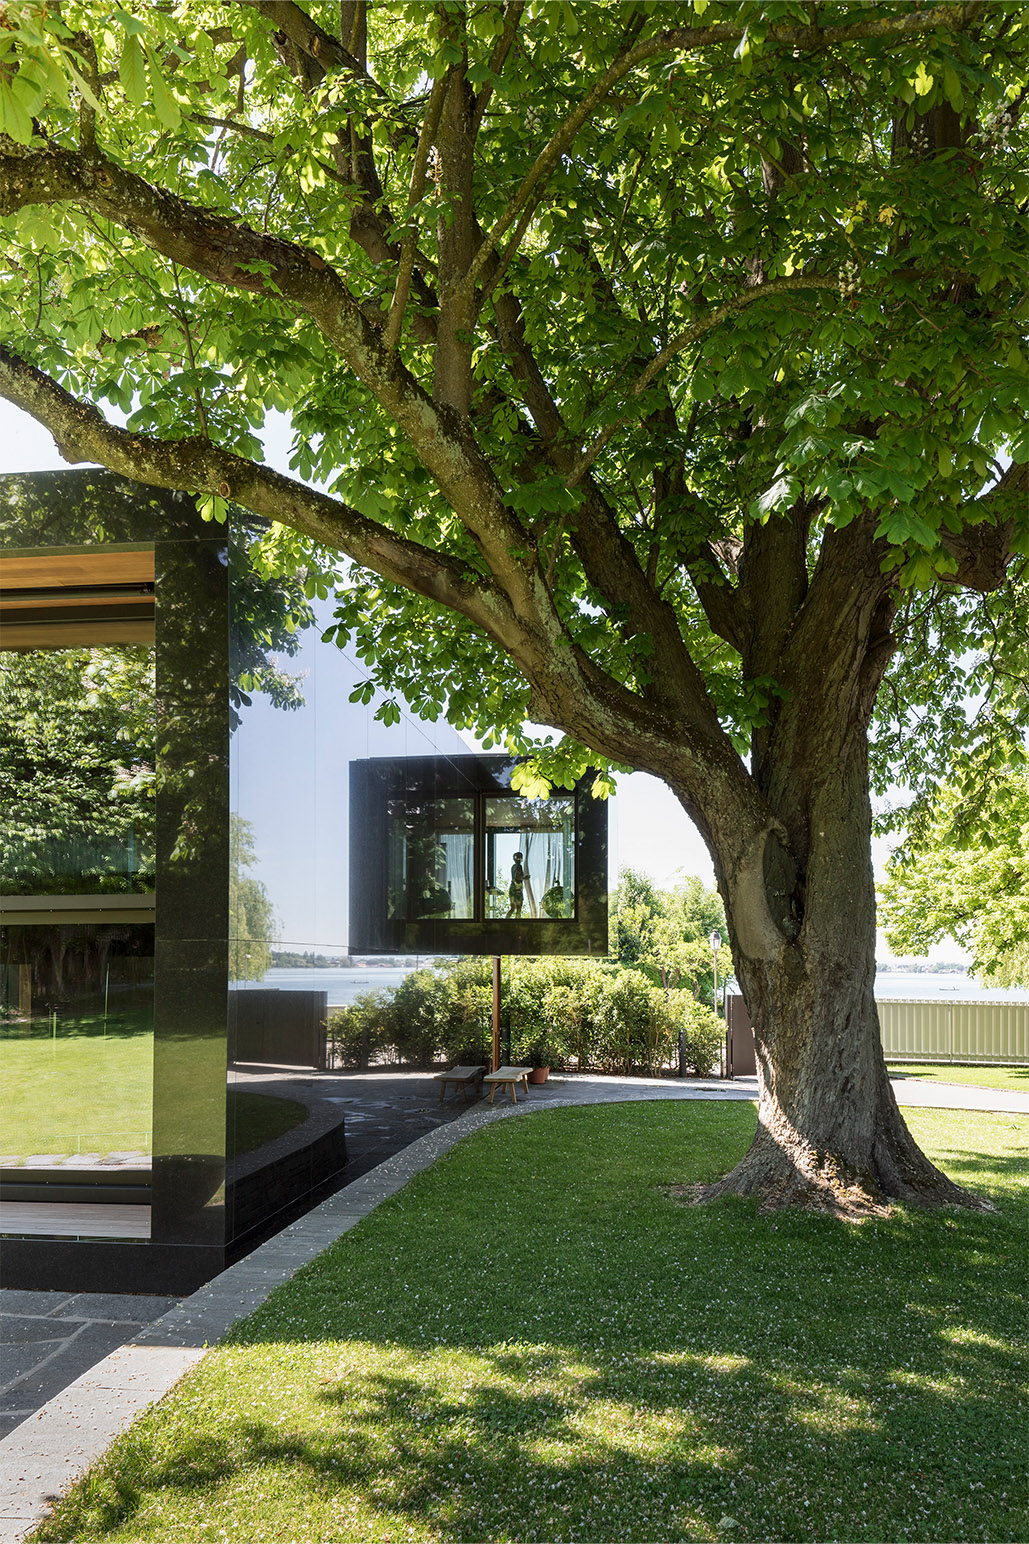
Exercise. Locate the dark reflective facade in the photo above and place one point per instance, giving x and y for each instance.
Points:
(145, 1018)
(116, 941)
(446, 857)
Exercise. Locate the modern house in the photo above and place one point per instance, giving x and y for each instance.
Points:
(177, 804)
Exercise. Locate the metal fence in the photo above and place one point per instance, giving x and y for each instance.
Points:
(938, 1031)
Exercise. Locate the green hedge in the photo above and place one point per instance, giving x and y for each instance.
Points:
(586, 1014)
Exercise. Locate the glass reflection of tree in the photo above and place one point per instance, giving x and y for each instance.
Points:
(77, 770)
(268, 617)
(252, 921)
(430, 859)
(83, 507)
(69, 969)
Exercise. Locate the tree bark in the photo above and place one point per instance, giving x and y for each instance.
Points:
(829, 1132)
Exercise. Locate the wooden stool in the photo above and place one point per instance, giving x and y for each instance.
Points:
(462, 1076)
(508, 1077)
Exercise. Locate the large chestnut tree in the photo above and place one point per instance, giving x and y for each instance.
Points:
(659, 368)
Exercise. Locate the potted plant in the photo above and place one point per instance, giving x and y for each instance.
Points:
(538, 1053)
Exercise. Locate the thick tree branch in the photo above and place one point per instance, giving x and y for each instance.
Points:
(195, 464)
(512, 17)
(983, 549)
(409, 245)
(353, 29)
(717, 595)
(608, 557)
(455, 225)
(313, 54)
(312, 40)
(230, 253)
(773, 582)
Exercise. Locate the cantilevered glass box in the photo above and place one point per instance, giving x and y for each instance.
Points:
(447, 858)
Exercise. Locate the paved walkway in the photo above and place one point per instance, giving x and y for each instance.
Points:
(46, 1451)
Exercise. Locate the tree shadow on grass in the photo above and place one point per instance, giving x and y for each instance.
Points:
(620, 1368)
(645, 1448)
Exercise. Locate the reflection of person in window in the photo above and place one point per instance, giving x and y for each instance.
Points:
(516, 889)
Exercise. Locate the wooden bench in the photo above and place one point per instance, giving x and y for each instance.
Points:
(462, 1076)
(508, 1077)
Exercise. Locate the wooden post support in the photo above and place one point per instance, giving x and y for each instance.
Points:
(496, 1013)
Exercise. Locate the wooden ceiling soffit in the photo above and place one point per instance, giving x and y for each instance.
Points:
(76, 600)
(96, 567)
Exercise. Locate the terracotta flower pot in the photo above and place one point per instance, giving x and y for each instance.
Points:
(539, 1074)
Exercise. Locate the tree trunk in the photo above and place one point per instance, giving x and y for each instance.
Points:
(829, 1131)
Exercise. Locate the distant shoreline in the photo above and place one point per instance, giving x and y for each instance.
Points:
(920, 968)
(285, 961)
(345, 983)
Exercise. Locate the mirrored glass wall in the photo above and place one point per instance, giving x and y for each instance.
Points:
(77, 771)
(77, 878)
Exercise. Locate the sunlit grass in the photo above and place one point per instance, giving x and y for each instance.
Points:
(532, 1342)
(1012, 1080)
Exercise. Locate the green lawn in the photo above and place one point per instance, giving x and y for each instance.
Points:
(533, 1342)
(1010, 1080)
(80, 1092)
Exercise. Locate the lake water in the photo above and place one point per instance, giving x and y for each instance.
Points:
(922, 985)
(344, 985)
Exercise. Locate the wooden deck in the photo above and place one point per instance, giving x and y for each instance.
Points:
(65, 1219)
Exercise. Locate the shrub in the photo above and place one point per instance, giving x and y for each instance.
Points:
(704, 1032)
(417, 1014)
(358, 1033)
(463, 1007)
(562, 1012)
(636, 1026)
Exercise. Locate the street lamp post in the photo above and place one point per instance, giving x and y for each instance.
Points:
(716, 943)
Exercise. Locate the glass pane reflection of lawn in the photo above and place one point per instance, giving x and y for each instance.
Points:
(77, 1088)
(83, 1091)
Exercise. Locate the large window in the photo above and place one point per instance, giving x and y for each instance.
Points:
(431, 859)
(530, 858)
(76, 1045)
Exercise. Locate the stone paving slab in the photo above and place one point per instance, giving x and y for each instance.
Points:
(52, 1338)
(68, 1360)
(107, 1307)
(24, 1328)
(54, 1446)
(17, 1301)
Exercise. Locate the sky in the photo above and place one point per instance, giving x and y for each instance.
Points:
(649, 831)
